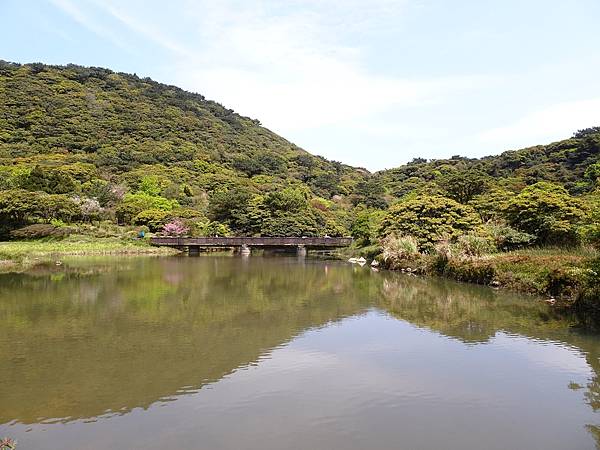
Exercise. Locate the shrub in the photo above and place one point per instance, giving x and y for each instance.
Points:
(470, 245)
(590, 234)
(40, 230)
(133, 204)
(507, 238)
(547, 211)
(154, 219)
(469, 270)
(207, 228)
(397, 248)
(429, 218)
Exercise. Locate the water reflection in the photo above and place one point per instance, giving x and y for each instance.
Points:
(340, 350)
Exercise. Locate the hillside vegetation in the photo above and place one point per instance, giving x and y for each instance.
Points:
(124, 146)
(87, 151)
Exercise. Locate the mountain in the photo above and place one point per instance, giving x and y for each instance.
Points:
(120, 122)
(564, 162)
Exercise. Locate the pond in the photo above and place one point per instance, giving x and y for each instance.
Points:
(222, 352)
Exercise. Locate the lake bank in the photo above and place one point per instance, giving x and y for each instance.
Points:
(17, 256)
(565, 278)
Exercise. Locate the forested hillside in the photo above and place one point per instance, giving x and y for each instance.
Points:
(117, 146)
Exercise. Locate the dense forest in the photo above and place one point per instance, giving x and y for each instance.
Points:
(90, 146)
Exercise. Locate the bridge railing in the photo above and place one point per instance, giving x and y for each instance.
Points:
(252, 241)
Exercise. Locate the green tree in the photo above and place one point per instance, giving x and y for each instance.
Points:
(366, 225)
(287, 200)
(491, 205)
(371, 193)
(463, 185)
(547, 211)
(133, 204)
(429, 218)
(52, 181)
(154, 219)
(231, 207)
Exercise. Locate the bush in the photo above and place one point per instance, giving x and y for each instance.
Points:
(40, 230)
(507, 238)
(547, 211)
(590, 234)
(399, 248)
(133, 204)
(154, 219)
(470, 245)
(469, 270)
(429, 218)
(209, 229)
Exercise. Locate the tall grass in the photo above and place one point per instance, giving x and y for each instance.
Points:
(20, 251)
(397, 249)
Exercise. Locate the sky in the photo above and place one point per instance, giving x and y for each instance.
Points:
(370, 83)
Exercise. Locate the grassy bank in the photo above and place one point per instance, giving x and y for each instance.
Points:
(19, 255)
(569, 278)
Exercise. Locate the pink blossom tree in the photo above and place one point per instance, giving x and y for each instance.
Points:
(175, 228)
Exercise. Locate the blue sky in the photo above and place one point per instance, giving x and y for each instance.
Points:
(370, 83)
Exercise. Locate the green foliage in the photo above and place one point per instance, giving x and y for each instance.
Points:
(397, 249)
(366, 225)
(371, 193)
(231, 207)
(151, 185)
(207, 228)
(53, 181)
(547, 211)
(101, 190)
(19, 208)
(117, 146)
(154, 219)
(507, 238)
(429, 219)
(473, 245)
(463, 185)
(39, 230)
(287, 200)
(134, 204)
(592, 173)
(492, 204)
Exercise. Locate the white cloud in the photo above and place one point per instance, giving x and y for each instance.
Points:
(293, 72)
(83, 19)
(147, 30)
(287, 64)
(551, 123)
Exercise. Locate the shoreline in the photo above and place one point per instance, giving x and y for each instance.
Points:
(20, 256)
(566, 280)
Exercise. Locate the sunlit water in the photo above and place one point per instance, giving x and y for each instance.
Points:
(281, 353)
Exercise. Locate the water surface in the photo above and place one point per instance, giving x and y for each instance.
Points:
(285, 353)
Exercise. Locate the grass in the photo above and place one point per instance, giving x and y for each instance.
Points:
(24, 254)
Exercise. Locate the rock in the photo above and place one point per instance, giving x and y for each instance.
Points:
(374, 263)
